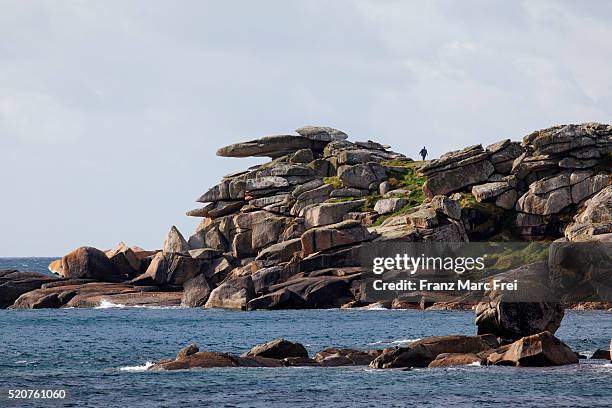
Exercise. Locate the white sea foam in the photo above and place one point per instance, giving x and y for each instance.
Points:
(401, 341)
(156, 307)
(105, 304)
(143, 367)
(475, 363)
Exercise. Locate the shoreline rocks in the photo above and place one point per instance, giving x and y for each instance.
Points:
(289, 233)
(538, 350)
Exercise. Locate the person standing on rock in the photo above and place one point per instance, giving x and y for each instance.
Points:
(423, 152)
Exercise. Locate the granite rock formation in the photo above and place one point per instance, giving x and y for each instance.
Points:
(288, 233)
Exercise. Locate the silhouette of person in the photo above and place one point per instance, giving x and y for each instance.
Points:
(423, 152)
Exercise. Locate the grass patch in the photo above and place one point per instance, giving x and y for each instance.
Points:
(340, 199)
(371, 201)
(512, 257)
(334, 181)
(469, 201)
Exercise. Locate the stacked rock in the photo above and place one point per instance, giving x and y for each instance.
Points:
(279, 220)
(289, 232)
(551, 173)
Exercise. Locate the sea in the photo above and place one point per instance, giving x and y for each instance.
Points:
(99, 357)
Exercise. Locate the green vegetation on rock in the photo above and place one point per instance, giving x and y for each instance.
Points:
(334, 181)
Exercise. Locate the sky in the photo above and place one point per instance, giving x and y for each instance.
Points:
(111, 111)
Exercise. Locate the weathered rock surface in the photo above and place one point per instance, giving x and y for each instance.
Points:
(170, 269)
(196, 292)
(510, 320)
(89, 263)
(329, 213)
(594, 221)
(277, 349)
(334, 235)
(322, 133)
(404, 357)
(272, 146)
(538, 350)
(289, 233)
(335, 357)
(14, 283)
(175, 243)
(389, 205)
(232, 294)
(456, 359)
(73, 293)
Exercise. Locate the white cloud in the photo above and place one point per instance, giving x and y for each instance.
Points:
(110, 112)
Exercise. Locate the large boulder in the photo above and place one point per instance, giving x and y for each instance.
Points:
(580, 271)
(272, 146)
(456, 359)
(196, 292)
(85, 293)
(502, 155)
(329, 213)
(565, 138)
(124, 261)
(281, 252)
(14, 283)
(171, 269)
(389, 205)
(89, 263)
(175, 243)
(323, 133)
(512, 320)
(232, 294)
(594, 221)
(404, 357)
(334, 235)
(362, 176)
(278, 349)
(282, 299)
(538, 350)
(335, 357)
(457, 344)
(314, 196)
(456, 170)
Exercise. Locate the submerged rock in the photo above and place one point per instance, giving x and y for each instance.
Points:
(456, 359)
(538, 350)
(404, 357)
(278, 349)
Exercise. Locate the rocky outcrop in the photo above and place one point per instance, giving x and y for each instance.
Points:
(336, 357)
(456, 359)
(79, 293)
(89, 263)
(290, 232)
(512, 320)
(13, 284)
(542, 349)
(594, 220)
(538, 350)
(277, 349)
(196, 292)
(175, 243)
(456, 170)
(232, 294)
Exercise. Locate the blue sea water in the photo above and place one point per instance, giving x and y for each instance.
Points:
(99, 357)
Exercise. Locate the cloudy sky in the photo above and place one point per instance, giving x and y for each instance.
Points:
(111, 111)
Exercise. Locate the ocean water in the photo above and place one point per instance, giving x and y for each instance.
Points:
(99, 357)
(28, 264)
